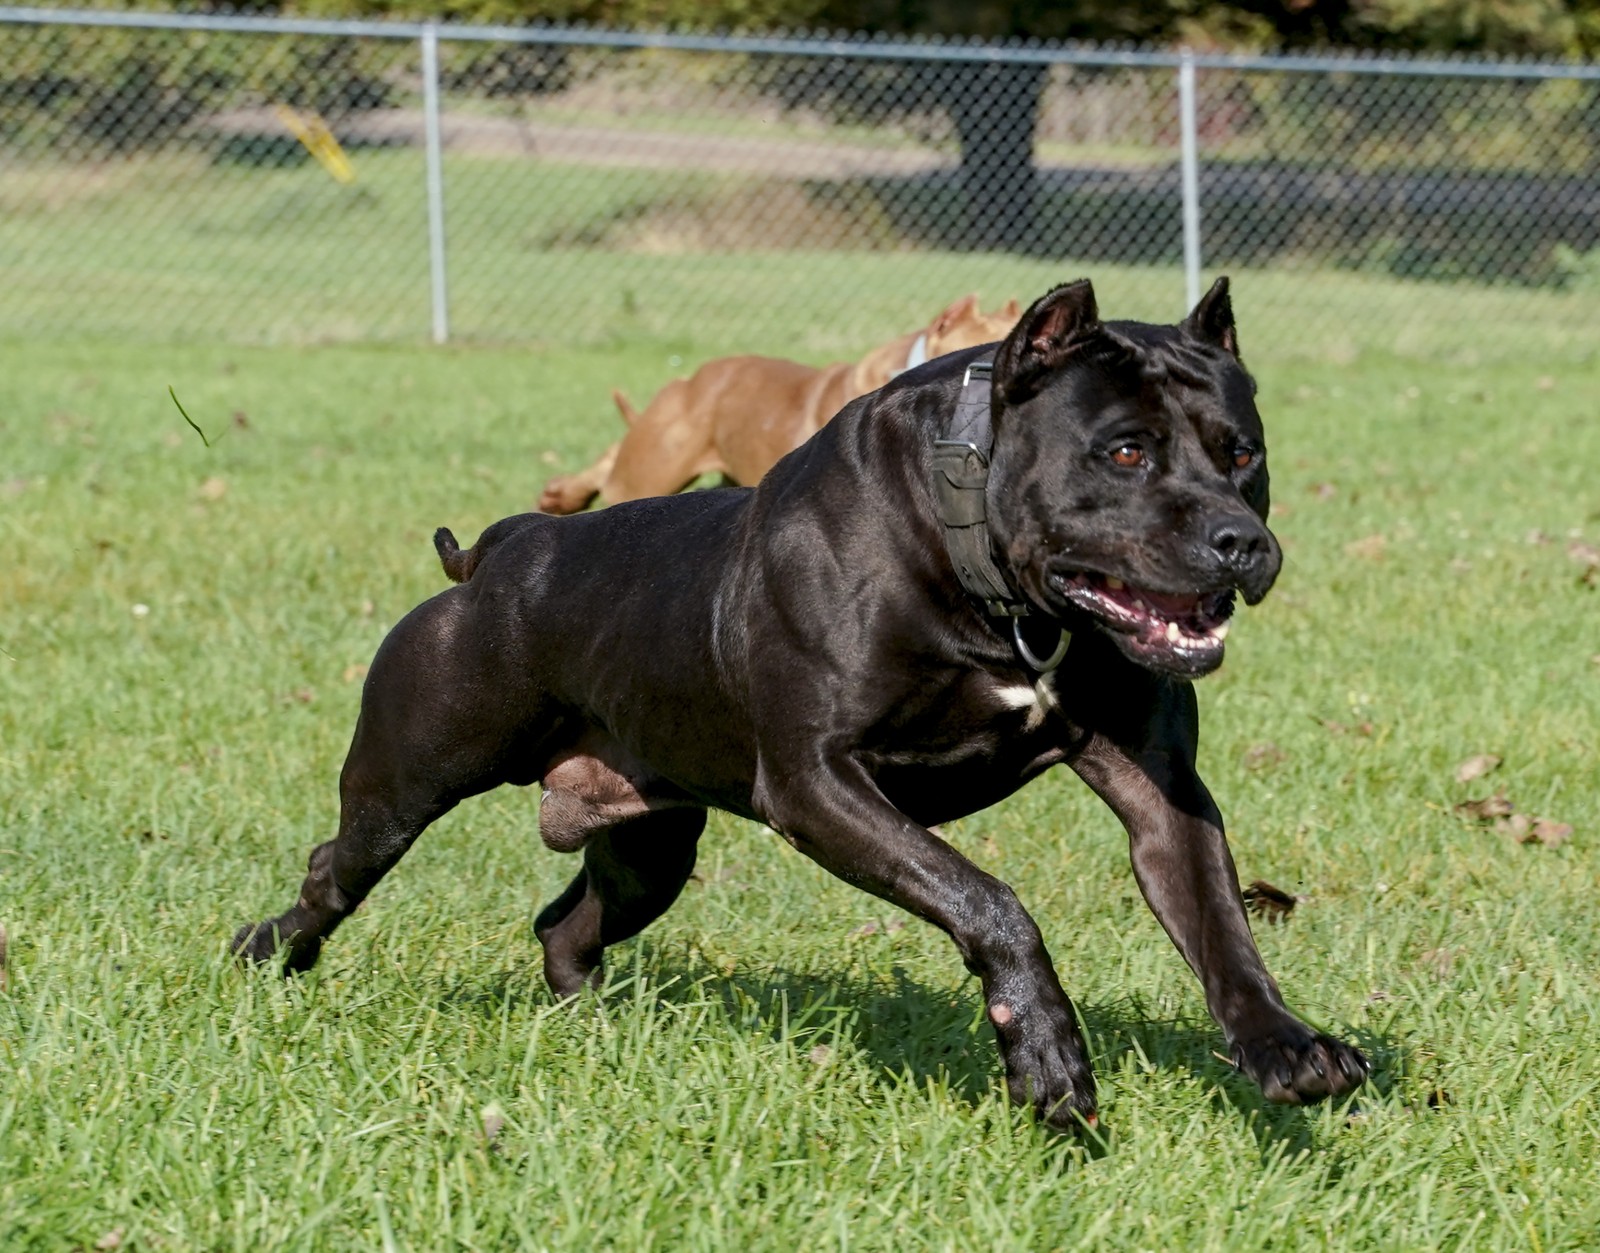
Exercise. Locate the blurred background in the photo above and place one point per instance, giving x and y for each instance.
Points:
(350, 175)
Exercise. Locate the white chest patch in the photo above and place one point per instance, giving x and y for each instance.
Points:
(1038, 698)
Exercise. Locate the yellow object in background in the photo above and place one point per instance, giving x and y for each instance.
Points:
(313, 132)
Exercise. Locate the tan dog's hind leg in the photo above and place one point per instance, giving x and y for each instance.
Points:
(571, 493)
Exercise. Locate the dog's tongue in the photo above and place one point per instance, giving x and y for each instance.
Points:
(1168, 606)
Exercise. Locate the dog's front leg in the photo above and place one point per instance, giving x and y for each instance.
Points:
(1146, 774)
(840, 819)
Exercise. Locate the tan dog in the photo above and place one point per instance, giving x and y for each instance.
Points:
(736, 416)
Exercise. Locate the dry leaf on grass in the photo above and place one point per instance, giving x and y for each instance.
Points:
(1517, 826)
(1544, 831)
(1266, 901)
(1487, 809)
(1368, 548)
(1522, 828)
(1261, 756)
(213, 489)
(1476, 767)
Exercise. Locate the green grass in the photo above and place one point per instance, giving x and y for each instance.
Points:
(766, 1070)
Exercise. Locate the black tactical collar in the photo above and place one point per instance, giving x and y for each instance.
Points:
(960, 485)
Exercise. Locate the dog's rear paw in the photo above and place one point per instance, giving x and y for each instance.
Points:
(258, 942)
(255, 942)
(566, 494)
(1298, 1066)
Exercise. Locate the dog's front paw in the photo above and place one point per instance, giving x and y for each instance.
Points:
(1046, 1066)
(1298, 1066)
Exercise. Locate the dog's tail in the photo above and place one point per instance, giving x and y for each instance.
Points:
(458, 562)
(630, 415)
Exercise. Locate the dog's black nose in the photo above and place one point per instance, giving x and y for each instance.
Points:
(1244, 550)
(1238, 541)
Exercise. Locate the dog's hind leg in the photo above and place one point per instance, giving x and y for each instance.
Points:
(632, 872)
(419, 749)
(573, 493)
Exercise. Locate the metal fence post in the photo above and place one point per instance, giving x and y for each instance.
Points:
(435, 165)
(1191, 180)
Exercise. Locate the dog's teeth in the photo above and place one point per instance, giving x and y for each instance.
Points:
(1174, 631)
(1141, 606)
(1220, 631)
(1113, 584)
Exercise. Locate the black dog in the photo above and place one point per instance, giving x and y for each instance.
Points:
(864, 645)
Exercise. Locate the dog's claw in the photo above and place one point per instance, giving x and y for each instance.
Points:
(1297, 1066)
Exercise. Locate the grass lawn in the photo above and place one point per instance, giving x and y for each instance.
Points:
(779, 1063)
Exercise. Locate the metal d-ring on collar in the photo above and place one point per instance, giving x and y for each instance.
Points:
(961, 486)
(1042, 664)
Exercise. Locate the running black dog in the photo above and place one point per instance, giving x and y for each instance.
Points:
(1009, 558)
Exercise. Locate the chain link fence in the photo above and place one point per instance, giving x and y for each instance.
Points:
(250, 179)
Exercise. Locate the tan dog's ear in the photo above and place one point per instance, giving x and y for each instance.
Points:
(1010, 311)
(958, 311)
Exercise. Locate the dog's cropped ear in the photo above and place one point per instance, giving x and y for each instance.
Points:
(1010, 311)
(1212, 319)
(958, 311)
(1055, 326)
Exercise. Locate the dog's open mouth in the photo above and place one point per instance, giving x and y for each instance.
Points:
(1182, 633)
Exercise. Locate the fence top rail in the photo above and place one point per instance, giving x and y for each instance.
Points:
(811, 45)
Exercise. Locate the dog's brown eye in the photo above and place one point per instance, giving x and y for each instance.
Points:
(1128, 455)
(1243, 457)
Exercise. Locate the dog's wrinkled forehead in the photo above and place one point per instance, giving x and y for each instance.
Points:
(1144, 378)
(1063, 360)
(1167, 352)
(1170, 368)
